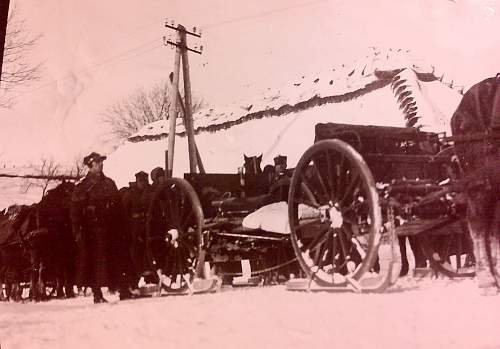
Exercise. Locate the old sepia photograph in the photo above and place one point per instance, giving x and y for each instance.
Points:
(265, 174)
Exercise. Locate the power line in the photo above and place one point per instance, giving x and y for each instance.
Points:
(123, 56)
(114, 59)
(262, 14)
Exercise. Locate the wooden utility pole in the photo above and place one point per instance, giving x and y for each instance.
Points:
(181, 51)
(172, 113)
(4, 15)
(183, 109)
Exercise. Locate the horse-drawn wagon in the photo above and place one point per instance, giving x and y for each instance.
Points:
(349, 197)
(196, 229)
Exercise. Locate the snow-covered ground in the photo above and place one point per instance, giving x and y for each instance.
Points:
(416, 313)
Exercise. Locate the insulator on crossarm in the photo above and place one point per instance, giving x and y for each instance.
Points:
(199, 32)
(194, 30)
(201, 48)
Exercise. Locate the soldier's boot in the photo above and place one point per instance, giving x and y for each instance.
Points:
(486, 280)
(98, 297)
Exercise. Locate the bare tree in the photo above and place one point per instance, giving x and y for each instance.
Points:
(141, 108)
(78, 169)
(17, 68)
(47, 168)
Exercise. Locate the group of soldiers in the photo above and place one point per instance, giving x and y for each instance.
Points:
(109, 228)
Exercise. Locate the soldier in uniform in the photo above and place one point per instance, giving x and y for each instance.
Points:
(136, 208)
(280, 166)
(95, 210)
(158, 177)
(157, 225)
(477, 114)
(281, 183)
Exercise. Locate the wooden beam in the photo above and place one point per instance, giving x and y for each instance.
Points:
(173, 111)
(188, 115)
(181, 103)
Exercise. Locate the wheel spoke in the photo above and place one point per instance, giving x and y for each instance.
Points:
(186, 220)
(307, 224)
(321, 181)
(319, 254)
(340, 173)
(305, 181)
(331, 178)
(170, 210)
(340, 235)
(177, 201)
(350, 191)
(318, 239)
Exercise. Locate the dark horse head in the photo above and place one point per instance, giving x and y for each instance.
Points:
(57, 199)
(252, 164)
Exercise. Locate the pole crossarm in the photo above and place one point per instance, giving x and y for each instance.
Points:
(182, 28)
(183, 47)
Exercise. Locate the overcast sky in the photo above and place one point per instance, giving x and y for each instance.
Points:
(97, 52)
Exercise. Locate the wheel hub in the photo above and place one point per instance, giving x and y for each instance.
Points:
(172, 236)
(335, 217)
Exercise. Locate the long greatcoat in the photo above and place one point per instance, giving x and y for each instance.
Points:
(479, 111)
(96, 219)
(136, 203)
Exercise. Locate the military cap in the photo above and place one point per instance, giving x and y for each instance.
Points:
(92, 157)
(280, 160)
(141, 174)
(157, 172)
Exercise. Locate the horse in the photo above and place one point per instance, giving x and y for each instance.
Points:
(51, 244)
(477, 115)
(252, 164)
(15, 257)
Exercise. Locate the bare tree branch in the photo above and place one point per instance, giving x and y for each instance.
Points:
(48, 168)
(126, 117)
(17, 68)
(78, 169)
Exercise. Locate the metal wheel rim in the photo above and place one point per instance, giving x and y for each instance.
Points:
(372, 237)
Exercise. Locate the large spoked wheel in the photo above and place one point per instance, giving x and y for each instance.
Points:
(450, 254)
(174, 234)
(335, 234)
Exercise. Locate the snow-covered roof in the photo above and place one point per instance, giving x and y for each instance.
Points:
(334, 85)
(282, 121)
